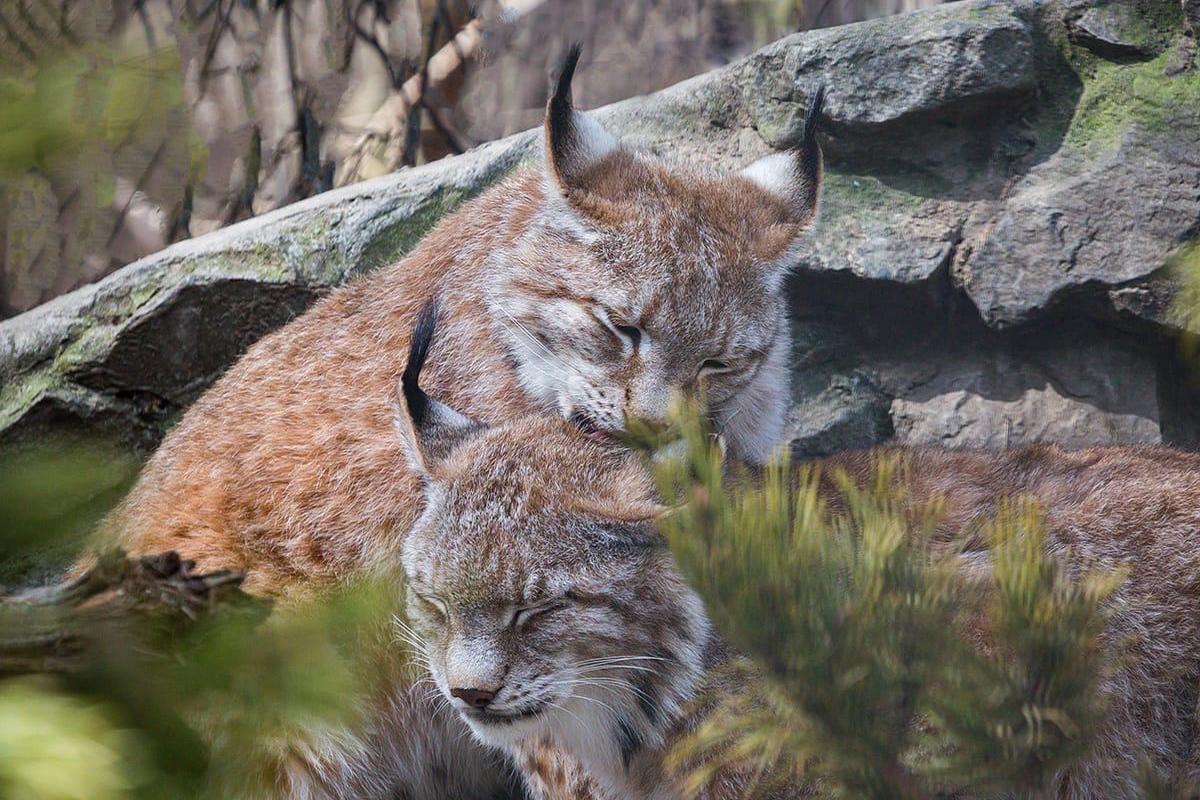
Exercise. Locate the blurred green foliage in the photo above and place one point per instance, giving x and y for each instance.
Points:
(51, 496)
(885, 665)
(1184, 268)
(158, 709)
(48, 739)
(75, 101)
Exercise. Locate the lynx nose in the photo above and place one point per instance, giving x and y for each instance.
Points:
(476, 698)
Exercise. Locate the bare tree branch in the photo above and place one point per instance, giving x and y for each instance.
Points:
(47, 629)
(412, 133)
(21, 45)
(381, 148)
(368, 37)
(457, 143)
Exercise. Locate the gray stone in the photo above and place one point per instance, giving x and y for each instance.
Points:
(891, 69)
(1191, 14)
(1101, 214)
(1111, 31)
(849, 412)
(1072, 393)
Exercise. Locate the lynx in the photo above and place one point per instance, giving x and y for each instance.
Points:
(551, 613)
(1131, 507)
(597, 288)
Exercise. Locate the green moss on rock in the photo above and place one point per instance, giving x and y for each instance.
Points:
(20, 393)
(1118, 95)
(1151, 24)
(397, 239)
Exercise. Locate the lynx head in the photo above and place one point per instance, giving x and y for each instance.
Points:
(634, 280)
(545, 599)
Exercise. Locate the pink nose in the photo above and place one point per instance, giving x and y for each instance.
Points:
(476, 698)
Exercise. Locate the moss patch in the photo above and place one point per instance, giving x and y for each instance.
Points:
(1150, 25)
(1184, 267)
(1117, 95)
(859, 195)
(397, 239)
(17, 395)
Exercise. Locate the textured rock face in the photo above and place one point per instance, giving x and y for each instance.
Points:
(1008, 185)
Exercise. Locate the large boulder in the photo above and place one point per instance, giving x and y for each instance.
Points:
(1008, 186)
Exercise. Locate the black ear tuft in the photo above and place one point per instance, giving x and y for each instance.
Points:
(560, 111)
(809, 157)
(418, 352)
(812, 118)
(566, 73)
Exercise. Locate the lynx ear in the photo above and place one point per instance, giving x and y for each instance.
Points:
(574, 141)
(428, 430)
(794, 176)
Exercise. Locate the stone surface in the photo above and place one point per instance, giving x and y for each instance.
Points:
(1053, 391)
(1011, 189)
(1110, 31)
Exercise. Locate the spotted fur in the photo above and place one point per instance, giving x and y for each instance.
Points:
(286, 466)
(289, 467)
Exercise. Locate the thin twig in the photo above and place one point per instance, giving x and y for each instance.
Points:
(23, 46)
(412, 131)
(369, 38)
(457, 143)
(48, 629)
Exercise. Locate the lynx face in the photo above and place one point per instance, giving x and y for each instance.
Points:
(546, 602)
(541, 612)
(634, 282)
(546, 623)
(668, 299)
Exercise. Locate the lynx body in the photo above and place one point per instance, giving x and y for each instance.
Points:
(553, 617)
(551, 614)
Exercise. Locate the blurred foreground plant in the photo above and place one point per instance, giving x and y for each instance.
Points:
(885, 664)
(160, 683)
(1184, 267)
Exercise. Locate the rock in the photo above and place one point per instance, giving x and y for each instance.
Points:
(1108, 207)
(848, 413)
(1055, 391)
(1011, 190)
(891, 69)
(1111, 31)
(1191, 15)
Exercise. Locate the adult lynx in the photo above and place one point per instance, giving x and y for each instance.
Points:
(596, 288)
(552, 615)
